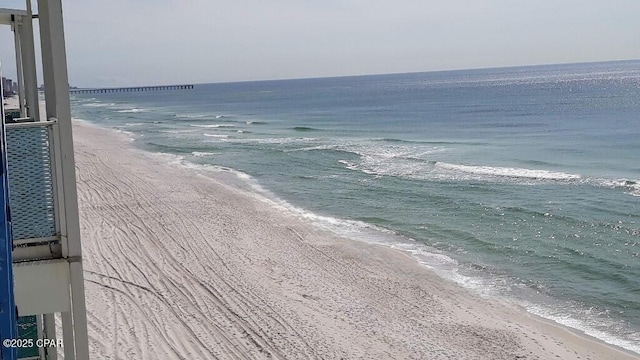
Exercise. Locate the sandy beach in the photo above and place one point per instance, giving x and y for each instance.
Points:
(184, 265)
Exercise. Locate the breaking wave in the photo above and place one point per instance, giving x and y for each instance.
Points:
(134, 110)
(509, 172)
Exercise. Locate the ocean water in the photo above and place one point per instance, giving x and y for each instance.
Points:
(522, 183)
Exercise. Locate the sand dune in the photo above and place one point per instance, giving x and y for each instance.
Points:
(180, 265)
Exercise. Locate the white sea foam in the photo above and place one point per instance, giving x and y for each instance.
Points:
(417, 165)
(99, 104)
(418, 162)
(311, 148)
(213, 125)
(405, 161)
(120, 130)
(352, 166)
(631, 187)
(509, 172)
(134, 110)
(590, 324)
(220, 136)
(177, 131)
(171, 159)
(199, 116)
(277, 141)
(202, 153)
(377, 153)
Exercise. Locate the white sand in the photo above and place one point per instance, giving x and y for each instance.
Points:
(182, 266)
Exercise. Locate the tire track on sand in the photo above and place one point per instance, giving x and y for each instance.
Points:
(114, 193)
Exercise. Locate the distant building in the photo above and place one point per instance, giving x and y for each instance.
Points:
(9, 88)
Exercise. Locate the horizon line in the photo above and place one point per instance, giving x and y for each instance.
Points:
(372, 74)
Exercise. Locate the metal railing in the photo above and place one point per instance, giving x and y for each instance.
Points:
(31, 158)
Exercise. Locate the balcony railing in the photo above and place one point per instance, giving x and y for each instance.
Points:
(32, 189)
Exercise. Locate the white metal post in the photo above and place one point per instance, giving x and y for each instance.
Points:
(19, 67)
(47, 65)
(50, 333)
(29, 64)
(67, 335)
(58, 106)
(41, 334)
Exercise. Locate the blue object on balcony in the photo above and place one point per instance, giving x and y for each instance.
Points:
(8, 316)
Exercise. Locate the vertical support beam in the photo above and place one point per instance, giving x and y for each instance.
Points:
(48, 72)
(19, 64)
(41, 334)
(79, 309)
(29, 64)
(58, 199)
(67, 335)
(49, 321)
(56, 82)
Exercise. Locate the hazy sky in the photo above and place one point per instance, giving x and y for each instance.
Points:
(123, 42)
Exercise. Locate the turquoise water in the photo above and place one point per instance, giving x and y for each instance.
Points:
(522, 183)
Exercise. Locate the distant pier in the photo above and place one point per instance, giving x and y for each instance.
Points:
(130, 89)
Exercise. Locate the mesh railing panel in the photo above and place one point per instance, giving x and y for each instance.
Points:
(28, 329)
(30, 182)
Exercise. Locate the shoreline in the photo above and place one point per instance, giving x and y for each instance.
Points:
(373, 235)
(455, 327)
